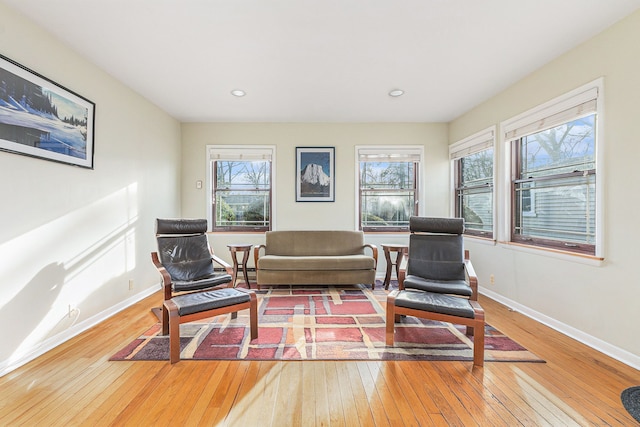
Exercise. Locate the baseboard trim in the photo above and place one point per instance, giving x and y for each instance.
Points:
(27, 356)
(604, 347)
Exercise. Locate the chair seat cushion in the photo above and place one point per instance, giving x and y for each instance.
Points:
(204, 301)
(205, 282)
(455, 287)
(435, 303)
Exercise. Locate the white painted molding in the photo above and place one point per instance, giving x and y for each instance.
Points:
(7, 366)
(617, 353)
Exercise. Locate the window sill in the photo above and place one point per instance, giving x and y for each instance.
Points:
(555, 253)
(480, 239)
(398, 232)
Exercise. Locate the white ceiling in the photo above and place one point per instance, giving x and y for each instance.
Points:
(321, 60)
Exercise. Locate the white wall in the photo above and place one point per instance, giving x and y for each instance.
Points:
(72, 238)
(290, 214)
(597, 304)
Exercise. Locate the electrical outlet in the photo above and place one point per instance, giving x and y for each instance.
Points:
(130, 284)
(492, 279)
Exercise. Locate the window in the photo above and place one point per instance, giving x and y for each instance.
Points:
(241, 187)
(473, 160)
(554, 190)
(387, 187)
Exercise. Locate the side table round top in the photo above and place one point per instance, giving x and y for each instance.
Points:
(394, 246)
(239, 246)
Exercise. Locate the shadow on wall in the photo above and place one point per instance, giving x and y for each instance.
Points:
(29, 308)
(86, 258)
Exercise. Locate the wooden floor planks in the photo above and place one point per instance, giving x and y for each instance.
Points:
(75, 384)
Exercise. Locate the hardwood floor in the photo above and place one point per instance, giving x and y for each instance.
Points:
(75, 384)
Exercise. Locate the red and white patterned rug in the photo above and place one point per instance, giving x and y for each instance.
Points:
(323, 323)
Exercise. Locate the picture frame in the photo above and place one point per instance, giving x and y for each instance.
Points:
(42, 119)
(315, 174)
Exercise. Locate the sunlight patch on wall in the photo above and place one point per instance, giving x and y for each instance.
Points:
(52, 269)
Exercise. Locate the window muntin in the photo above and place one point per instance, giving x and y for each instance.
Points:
(388, 194)
(241, 195)
(474, 192)
(554, 187)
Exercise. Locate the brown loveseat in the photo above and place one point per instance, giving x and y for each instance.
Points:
(315, 258)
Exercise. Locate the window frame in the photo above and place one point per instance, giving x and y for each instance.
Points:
(384, 153)
(239, 153)
(580, 102)
(473, 144)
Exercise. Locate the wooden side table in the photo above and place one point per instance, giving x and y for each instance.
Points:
(400, 251)
(245, 249)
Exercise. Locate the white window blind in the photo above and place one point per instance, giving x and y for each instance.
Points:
(399, 154)
(473, 144)
(553, 114)
(240, 153)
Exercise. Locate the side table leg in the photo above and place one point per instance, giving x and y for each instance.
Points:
(387, 276)
(234, 258)
(399, 258)
(245, 258)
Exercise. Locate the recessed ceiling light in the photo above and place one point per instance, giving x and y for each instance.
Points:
(396, 93)
(238, 92)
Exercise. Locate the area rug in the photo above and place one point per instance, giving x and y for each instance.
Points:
(631, 401)
(324, 323)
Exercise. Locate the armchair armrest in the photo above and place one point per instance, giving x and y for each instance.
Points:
(228, 268)
(374, 250)
(402, 272)
(471, 275)
(166, 277)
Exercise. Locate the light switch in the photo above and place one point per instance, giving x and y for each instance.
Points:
(199, 185)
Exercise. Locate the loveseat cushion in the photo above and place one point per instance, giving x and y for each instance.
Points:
(296, 263)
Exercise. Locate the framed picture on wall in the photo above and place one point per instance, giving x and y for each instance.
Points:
(40, 118)
(315, 174)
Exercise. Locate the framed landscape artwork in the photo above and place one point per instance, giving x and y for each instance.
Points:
(315, 174)
(40, 118)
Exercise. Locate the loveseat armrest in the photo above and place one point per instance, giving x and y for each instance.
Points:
(374, 250)
(256, 254)
(471, 276)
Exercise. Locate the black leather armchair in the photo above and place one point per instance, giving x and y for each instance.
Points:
(437, 281)
(193, 290)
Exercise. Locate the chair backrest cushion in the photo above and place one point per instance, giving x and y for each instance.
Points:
(436, 256)
(421, 224)
(183, 248)
(180, 226)
(436, 248)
